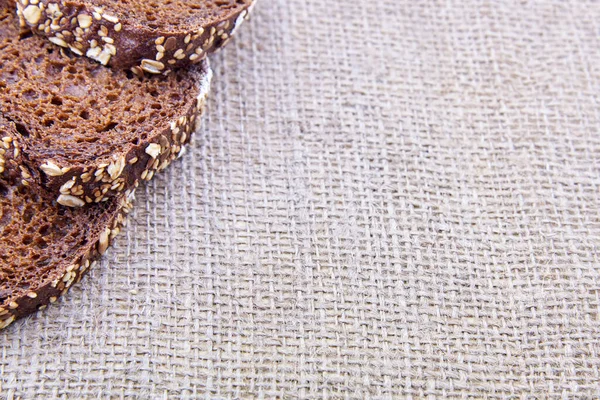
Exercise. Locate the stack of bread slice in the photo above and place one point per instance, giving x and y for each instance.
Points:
(96, 96)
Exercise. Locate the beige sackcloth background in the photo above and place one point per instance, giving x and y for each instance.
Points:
(387, 199)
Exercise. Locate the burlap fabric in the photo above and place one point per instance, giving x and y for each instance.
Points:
(386, 199)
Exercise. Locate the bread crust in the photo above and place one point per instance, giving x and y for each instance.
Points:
(111, 38)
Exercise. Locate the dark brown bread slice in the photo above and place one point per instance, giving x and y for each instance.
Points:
(45, 248)
(86, 132)
(154, 36)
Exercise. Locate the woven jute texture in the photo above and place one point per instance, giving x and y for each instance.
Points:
(387, 199)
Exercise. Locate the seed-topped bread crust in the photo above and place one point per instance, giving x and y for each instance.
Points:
(143, 36)
(45, 248)
(87, 133)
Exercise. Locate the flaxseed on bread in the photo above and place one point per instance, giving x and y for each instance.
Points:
(86, 133)
(45, 248)
(153, 36)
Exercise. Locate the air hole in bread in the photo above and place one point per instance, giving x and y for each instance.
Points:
(25, 35)
(109, 127)
(44, 230)
(26, 240)
(23, 131)
(28, 214)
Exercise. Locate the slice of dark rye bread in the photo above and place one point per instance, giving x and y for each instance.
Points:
(45, 248)
(153, 36)
(85, 132)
